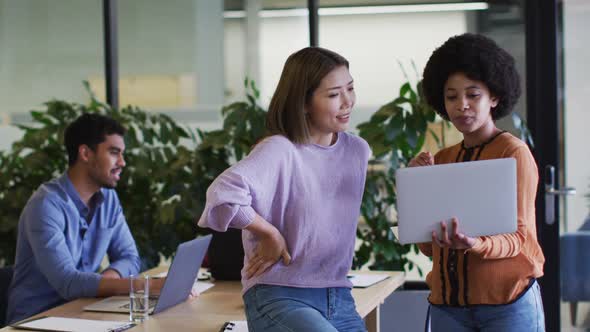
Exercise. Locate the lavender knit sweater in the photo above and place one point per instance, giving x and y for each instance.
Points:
(310, 193)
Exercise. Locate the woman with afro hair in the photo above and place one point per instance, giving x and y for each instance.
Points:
(485, 283)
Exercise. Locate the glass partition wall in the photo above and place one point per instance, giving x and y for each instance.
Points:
(46, 50)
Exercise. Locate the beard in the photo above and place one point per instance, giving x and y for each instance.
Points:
(102, 181)
(108, 185)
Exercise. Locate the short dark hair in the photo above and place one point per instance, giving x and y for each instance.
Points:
(89, 129)
(480, 59)
(301, 76)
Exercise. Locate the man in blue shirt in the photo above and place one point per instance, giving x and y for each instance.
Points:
(71, 222)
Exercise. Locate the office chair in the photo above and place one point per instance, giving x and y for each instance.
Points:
(575, 267)
(5, 278)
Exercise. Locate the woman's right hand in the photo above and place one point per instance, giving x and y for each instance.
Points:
(270, 248)
(422, 159)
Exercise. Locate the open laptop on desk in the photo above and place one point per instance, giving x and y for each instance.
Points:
(178, 284)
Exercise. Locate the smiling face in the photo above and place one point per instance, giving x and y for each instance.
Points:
(469, 104)
(106, 162)
(331, 105)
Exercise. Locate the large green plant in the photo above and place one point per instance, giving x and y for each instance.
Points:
(163, 187)
(153, 188)
(243, 126)
(396, 133)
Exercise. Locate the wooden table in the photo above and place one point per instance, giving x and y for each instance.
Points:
(222, 303)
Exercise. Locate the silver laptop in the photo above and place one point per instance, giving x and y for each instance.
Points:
(481, 194)
(177, 287)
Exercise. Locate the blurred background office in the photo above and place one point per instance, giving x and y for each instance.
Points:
(188, 58)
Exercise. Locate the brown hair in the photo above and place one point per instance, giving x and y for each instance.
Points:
(301, 76)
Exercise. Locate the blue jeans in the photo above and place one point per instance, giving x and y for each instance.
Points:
(279, 308)
(523, 315)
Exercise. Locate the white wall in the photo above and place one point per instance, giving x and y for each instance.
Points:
(8, 134)
(235, 59)
(577, 116)
(279, 38)
(47, 49)
(373, 44)
(156, 37)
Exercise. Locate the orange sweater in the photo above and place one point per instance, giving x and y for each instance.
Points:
(498, 268)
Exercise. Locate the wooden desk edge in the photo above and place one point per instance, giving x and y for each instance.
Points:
(386, 287)
(371, 297)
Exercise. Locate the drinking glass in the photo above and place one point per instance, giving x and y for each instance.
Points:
(139, 295)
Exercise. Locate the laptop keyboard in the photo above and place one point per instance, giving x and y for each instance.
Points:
(153, 301)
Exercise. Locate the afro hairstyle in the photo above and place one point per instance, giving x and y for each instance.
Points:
(480, 59)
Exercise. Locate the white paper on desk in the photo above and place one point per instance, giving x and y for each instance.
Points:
(71, 324)
(237, 326)
(199, 286)
(365, 280)
(202, 275)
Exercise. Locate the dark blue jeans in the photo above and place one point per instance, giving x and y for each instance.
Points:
(523, 315)
(279, 308)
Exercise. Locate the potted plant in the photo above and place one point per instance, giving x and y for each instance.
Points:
(243, 127)
(151, 189)
(396, 133)
(164, 185)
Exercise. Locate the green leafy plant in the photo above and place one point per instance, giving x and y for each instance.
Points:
(152, 186)
(162, 188)
(396, 133)
(243, 126)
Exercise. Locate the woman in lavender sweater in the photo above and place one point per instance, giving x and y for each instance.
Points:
(297, 198)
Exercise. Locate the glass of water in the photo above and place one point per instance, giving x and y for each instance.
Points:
(139, 296)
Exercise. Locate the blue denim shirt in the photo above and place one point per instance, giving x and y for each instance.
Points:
(61, 243)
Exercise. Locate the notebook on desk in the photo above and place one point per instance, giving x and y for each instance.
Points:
(481, 194)
(363, 280)
(63, 324)
(235, 326)
(177, 287)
